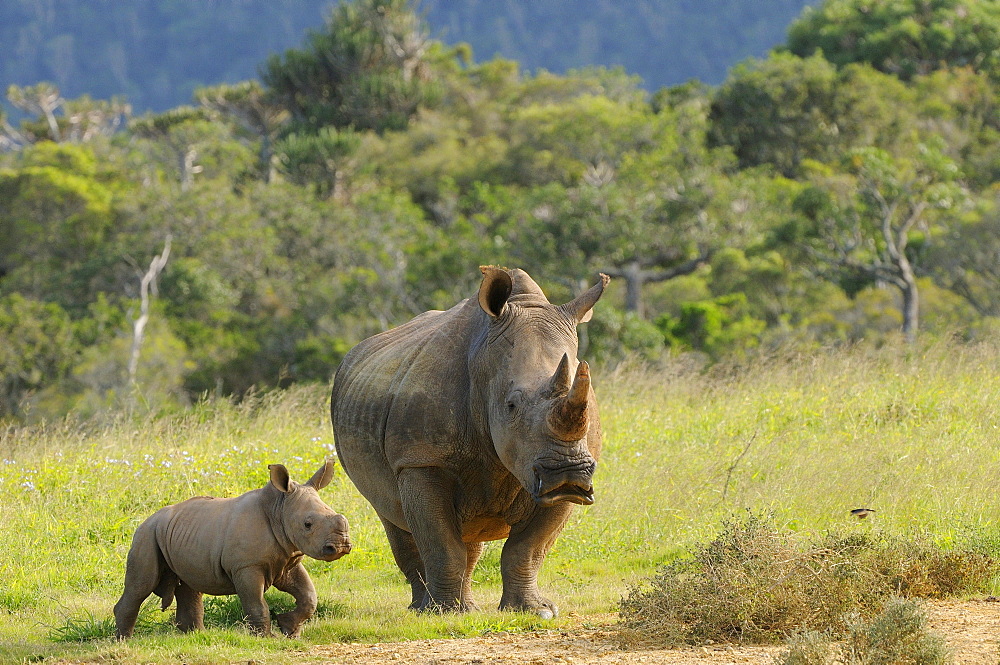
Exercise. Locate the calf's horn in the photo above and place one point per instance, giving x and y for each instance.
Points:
(568, 420)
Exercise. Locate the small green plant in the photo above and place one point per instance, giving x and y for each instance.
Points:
(808, 648)
(83, 628)
(898, 635)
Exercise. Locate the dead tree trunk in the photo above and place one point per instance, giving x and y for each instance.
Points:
(147, 284)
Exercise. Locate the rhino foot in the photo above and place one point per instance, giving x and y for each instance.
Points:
(542, 607)
(289, 624)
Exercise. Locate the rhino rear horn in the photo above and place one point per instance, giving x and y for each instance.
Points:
(568, 420)
(562, 380)
(580, 308)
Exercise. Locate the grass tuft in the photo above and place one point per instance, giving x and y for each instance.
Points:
(756, 584)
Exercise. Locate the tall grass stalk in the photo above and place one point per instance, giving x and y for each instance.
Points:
(912, 434)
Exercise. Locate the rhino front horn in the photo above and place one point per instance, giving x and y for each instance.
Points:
(568, 420)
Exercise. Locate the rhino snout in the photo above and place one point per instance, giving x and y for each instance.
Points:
(334, 549)
(556, 484)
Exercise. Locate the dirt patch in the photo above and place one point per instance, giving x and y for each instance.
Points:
(971, 628)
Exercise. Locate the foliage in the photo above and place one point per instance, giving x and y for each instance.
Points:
(754, 584)
(897, 635)
(905, 38)
(371, 171)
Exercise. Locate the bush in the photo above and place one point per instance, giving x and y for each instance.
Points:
(898, 635)
(756, 584)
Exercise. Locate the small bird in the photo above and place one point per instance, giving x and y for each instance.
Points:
(862, 513)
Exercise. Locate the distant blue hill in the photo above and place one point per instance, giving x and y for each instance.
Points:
(156, 53)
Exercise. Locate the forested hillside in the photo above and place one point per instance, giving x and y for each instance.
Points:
(155, 54)
(827, 194)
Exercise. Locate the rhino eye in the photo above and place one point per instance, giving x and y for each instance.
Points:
(309, 524)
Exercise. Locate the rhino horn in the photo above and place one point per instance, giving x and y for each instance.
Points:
(568, 420)
(561, 381)
(580, 308)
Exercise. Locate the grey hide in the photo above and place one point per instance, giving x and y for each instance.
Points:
(241, 545)
(469, 425)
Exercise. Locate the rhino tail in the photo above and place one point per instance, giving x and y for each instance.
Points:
(165, 589)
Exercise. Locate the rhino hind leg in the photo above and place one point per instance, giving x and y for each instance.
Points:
(190, 609)
(407, 556)
(296, 581)
(145, 569)
(475, 550)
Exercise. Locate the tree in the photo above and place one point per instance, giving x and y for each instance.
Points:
(871, 222)
(370, 68)
(786, 109)
(254, 111)
(905, 38)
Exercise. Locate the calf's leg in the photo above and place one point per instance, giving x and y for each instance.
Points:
(143, 569)
(296, 581)
(190, 609)
(249, 583)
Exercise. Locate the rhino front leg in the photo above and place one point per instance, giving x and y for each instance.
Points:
(474, 551)
(522, 557)
(296, 581)
(430, 513)
(249, 583)
(407, 556)
(190, 609)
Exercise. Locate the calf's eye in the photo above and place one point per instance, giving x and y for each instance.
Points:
(309, 525)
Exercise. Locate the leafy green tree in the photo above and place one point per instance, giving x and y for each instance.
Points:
(369, 68)
(37, 348)
(905, 38)
(871, 223)
(787, 109)
(56, 214)
(254, 111)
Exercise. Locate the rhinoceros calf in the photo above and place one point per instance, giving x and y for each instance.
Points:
(471, 425)
(241, 545)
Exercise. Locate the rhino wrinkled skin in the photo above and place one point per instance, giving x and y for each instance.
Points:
(469, 425)
(241, 545)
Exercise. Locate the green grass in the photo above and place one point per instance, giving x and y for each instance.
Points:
(913, 434)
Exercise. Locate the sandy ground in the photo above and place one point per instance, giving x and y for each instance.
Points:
(971, 629)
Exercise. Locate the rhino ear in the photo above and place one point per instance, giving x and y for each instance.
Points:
(280, 478)
(323, 476)
(495, 289)
(581, 308)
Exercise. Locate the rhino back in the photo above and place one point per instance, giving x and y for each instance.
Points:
(204, 539)
(401, 399)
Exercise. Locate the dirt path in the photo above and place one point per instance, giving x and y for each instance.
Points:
(971, 628)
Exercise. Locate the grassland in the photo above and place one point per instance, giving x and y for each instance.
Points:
(912, 433)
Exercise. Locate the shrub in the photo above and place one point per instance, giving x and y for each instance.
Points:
(756, 584)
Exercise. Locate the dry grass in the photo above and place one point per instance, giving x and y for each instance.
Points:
(757, 584)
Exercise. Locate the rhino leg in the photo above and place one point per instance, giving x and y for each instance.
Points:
(249, 583)
(190, 609)
(428, 506)
(407, 556)
(522, 556)
(474, 551)
(144, 568)
(296, 582)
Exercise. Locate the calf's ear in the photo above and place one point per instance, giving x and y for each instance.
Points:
(280, 478)
(323, 476)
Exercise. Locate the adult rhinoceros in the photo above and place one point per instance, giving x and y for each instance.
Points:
(469, 425)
